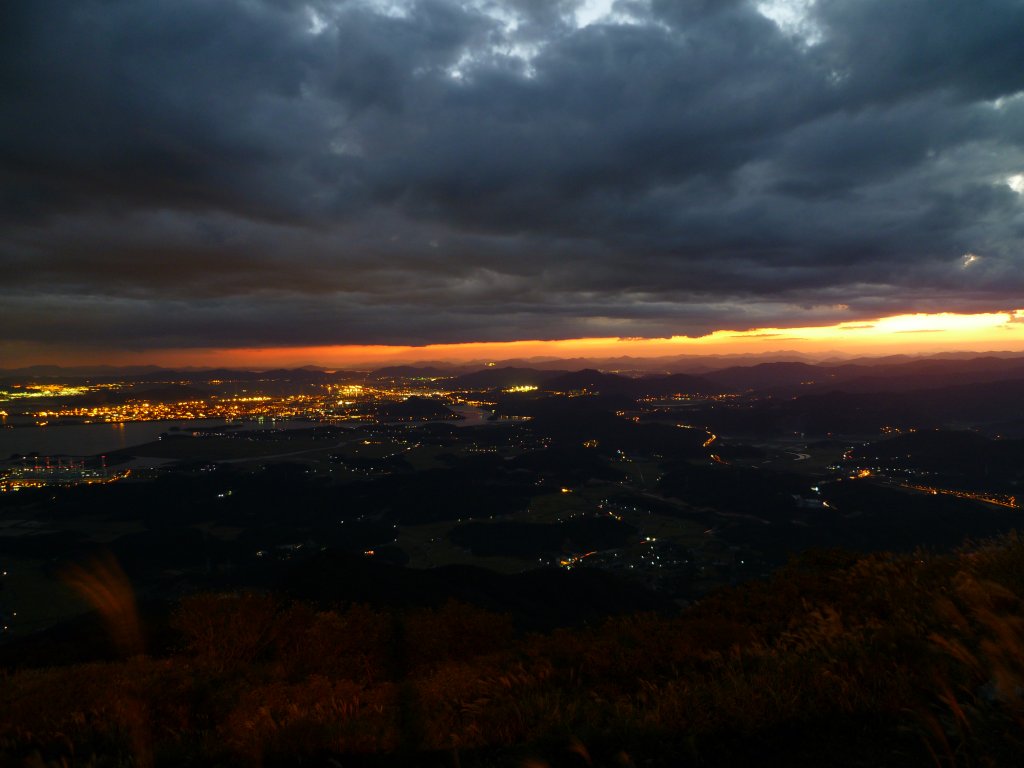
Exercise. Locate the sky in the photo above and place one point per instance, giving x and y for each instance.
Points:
(324, 181)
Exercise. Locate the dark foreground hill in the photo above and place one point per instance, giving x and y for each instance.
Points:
(837, 660)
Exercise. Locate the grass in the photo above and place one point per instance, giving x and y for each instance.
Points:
(37, 595)
(836, 660)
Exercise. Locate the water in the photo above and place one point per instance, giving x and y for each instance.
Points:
(471, 416)
(95, 439)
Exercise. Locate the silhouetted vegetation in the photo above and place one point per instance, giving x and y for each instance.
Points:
(836, 659)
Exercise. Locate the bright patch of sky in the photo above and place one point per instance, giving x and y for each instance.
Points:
(969, 258)
(611, 12)
(317, 23)
(507, 23)
(1016, 183)
(507, 42)
(346, 146)
(395, 9)
(592, 11)
(794, 18)
(585, 14)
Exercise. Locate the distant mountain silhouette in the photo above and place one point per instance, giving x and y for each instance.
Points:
(496, 378)
(927, 374)
(592, 381)
(410, 372)
(681, 383)
(771, 375)
(898, 374)
(779, 378)
(859, 412)
(588, 379)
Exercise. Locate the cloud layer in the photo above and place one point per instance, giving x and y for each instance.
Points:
(181, 173)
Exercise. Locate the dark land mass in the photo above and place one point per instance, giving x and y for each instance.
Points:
(776, 376)
(501, 378)
(787, 379)
(531, 540)
(172, 393)
(415, 409)
(928, 374)
(682, 569)
(993, 406)
(403, 372)
(612, 384)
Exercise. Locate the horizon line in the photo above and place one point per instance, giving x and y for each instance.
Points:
(918, 334)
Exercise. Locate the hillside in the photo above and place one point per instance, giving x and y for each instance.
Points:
(837, 659)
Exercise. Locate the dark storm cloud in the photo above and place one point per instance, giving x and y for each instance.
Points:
(188, 173)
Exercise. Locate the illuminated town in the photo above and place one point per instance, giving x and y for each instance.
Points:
(57, 472)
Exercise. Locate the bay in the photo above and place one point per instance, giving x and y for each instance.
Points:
(96, 439)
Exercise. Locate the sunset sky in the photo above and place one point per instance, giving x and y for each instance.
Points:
(278, 182)
(904, 334)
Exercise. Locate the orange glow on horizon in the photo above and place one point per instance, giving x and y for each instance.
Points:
(911, 334)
